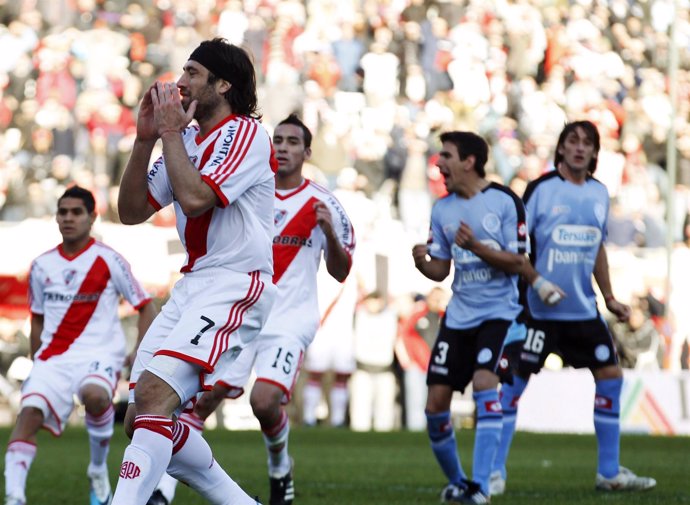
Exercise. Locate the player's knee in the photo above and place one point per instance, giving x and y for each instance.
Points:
(483, 380)
(96, 399)
(31, 417)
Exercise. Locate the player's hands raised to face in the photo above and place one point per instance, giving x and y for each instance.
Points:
(146, 125)
(167, 108)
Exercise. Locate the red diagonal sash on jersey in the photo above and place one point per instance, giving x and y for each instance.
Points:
(79, 312)
(299, 226)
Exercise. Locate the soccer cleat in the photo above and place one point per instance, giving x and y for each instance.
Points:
(473, 494)
(497, 484)
(624, 481)
(99, 493)
(451, 493)
(157, 498)
(282, 490)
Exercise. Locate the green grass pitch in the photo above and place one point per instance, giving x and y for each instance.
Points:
(339, 467)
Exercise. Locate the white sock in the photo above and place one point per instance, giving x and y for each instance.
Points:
(100, 430)
(193, 463)
(18, 459)
(145, 460)
(276, 441)
(338, 398)
(167, 486)
(311, 396)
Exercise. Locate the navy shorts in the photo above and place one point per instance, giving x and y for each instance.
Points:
(458, 353)
(581, 344)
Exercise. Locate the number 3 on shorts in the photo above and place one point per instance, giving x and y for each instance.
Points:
(209, 324)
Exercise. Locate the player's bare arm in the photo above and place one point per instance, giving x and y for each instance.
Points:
(601, 276)
(35, 333)
(432, 268)
(338, 262)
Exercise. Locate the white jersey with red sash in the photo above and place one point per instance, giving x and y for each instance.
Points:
(78, 298)
(297, 246)
(235, 160)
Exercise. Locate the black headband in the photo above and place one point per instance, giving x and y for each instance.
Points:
(208, 57)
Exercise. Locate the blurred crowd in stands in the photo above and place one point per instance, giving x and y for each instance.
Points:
(376, 81)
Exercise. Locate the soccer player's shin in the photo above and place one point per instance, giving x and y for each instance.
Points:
(510, 395)
(145, 460)
(607, 424)
(18, 459)
(100, 430)
(488, 434)
(442, 436)
(276, 441)
(193, 463)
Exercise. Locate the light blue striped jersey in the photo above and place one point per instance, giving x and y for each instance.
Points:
(480, 291)
(567, 224)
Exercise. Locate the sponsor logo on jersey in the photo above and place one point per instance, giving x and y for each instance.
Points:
(129, 470)
(493, 406)
(292, 240)
(222, 153)
(68, 297)
(558, 257)
(154, 169)
(68, 276)
(576, 235)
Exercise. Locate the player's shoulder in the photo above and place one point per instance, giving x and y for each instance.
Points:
(543, 181)
(46, 257)
(107, 252)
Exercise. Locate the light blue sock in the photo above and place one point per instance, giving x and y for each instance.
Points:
(607, 407)
(510, 395)
(487, 435)
(442, 436)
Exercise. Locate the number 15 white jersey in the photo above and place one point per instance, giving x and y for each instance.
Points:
(297, 245)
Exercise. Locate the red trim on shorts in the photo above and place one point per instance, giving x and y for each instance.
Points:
(234, 392)
(184, 357)
(286, 392)
(221, 341)
(111, 387)
(52, 412)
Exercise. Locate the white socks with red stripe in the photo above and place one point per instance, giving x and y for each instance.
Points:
(100, 430)
(276, 441)
(193, 463)
(145, 460)
(18, 459)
